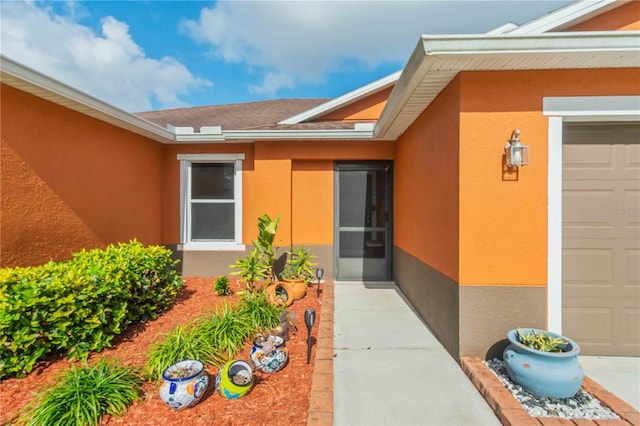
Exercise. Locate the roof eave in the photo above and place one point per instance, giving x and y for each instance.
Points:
(30, 81)
(344, 100)
(568, 16)
(362, 131)
(438, 59)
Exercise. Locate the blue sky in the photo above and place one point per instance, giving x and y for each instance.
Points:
(149, 55)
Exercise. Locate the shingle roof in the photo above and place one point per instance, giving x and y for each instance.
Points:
(242, 116)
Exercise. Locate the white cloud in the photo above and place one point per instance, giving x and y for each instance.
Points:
(271, 83)
(109, 66)
(304, 40)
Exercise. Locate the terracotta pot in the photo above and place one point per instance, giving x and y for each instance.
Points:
(279, 294)
(298, 288)
(181, 392)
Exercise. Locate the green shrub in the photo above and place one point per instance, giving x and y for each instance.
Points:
(257, 309)
(184, 342)
(78, 306)
(227, 329)
(215, 338)
(221, 286)
(83, 395)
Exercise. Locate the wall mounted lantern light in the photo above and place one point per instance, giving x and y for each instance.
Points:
(516, 154)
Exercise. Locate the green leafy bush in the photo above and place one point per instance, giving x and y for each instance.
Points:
(221, 286)
(83, 395)
(80, 305)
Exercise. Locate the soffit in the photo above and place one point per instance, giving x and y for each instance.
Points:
(438, 59)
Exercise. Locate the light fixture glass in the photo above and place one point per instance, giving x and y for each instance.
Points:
(516, 154)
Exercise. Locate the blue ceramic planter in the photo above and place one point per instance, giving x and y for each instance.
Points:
(547, 374)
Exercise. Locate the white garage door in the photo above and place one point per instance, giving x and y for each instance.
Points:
(601, 237)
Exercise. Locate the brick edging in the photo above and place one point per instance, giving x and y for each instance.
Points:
(321, 397)
(511, 413)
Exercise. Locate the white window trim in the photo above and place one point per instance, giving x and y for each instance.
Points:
(560, 110)
(185, 177)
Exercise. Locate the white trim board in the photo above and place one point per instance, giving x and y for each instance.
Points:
(559, 110)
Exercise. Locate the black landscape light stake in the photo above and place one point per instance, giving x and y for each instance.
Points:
(309, 320)
(319, 274)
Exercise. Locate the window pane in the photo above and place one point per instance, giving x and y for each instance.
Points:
(212, 221)
(212, 181)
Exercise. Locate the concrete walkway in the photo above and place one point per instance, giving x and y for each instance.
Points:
(390, 370)
(619, 375)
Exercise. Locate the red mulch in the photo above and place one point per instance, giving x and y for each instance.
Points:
(280, 398)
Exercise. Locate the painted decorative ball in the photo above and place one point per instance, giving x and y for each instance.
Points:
(235, 379)
(183, 384)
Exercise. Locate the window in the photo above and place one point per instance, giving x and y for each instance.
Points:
(211, 201)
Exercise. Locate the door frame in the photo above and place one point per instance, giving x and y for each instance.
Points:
(365, 165)
(571, 109)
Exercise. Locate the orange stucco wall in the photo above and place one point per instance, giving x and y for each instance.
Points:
(624, 18)
(365, 109)
(69, 181)
(457, 207)
(290, 179)
(312, 192)
(503, 216)
(426, 185)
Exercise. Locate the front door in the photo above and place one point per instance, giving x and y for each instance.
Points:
(363, 220)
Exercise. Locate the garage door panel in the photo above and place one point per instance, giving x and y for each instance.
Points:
(632, 326)
(601, 237)
(576, 216)
(588, 272)
(632, 158)
(591, 324)
(596, 160)
(631, 212)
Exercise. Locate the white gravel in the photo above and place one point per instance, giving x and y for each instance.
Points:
(580, 406)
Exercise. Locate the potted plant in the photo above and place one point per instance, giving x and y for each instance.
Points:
(183, 384)
(269, 353)
(298, 271)
(543, 363)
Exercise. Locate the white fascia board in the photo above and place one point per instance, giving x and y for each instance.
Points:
(551, 43)
(509, 26)
(31, 81)
(343, 100)
(568, 16)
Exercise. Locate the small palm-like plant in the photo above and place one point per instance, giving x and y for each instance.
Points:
(541, 341)
(299, 264)
(251, 269)
(268, 253)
